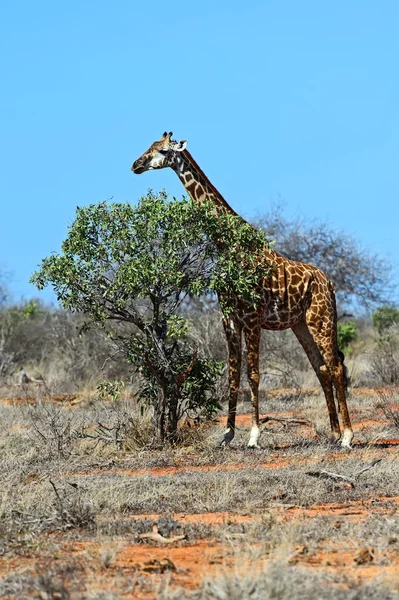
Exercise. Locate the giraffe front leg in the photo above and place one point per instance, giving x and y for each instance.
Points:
(233, 332)
(252, 340)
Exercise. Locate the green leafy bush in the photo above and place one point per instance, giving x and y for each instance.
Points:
(130, 268)
(346, 333)
(110, 390)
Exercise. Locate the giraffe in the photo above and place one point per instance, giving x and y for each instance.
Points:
(296, 295)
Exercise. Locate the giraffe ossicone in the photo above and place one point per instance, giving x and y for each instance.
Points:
(296, 295)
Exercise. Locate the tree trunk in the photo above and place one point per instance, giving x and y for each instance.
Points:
(160, 412)
(173, 418)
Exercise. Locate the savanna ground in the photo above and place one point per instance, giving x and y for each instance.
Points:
(83, 479)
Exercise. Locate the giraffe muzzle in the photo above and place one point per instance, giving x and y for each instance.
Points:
(137, 168)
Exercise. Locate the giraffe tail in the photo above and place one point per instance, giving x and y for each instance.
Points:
(341, 356)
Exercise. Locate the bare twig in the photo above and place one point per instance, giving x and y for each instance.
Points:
(287, 421)
(345, 315)
(183, 376)
(110, 358)
(157, 537)
(59, 500)
(328, 475)
(344, 478)
(370, 466)
(320, 434)
(288, 506)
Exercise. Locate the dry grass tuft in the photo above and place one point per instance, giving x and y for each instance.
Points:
(389, 404)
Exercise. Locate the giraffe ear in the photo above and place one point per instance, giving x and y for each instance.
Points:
(180, 146)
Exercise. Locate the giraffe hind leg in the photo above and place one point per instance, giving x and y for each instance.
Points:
(316, 360)
(339, 384)
(334, 368)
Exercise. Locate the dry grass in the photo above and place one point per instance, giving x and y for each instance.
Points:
(92, 473)
(279, 582)
(389, 404)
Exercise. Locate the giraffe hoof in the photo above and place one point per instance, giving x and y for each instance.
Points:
(335, 437)
(254, 437)
(347, 439)
(346, 445)
(253, 447)
(227, 438)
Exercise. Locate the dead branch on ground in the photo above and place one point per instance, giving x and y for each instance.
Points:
(343, 478)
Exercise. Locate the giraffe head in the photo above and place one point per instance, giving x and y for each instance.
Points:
(159, 155)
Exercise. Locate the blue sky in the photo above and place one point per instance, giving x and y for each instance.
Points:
(289, 99)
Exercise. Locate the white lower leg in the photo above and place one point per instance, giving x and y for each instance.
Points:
(253, 439)
(347, 438)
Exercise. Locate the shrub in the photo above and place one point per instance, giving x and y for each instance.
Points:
(129, 270)
(346, 333)
(110, 390)
(384, 360)
(53, 428)
(388, 404)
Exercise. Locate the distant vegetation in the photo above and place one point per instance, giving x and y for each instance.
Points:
(385, 317)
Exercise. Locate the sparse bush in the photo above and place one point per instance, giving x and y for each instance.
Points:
(121, 428)
(52, 587)
(384, 360)
(71, 508)
(48, 344)
(53, 428)
(14, 323)
(387, 401)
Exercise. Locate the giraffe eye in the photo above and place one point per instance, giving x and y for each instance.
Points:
(163, 151)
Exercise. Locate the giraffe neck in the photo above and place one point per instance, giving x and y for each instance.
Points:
(197, 183)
